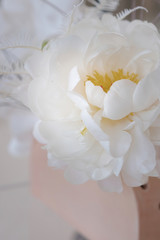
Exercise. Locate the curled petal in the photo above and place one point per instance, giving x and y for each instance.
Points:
(149, 116)
(140, 160)
(143, 34)
(75, 176)
(120, 143)
(111, 184)
(107, 42)
(101, 173)
(118, 164)
(118, 100)
(95, 94)
(95, 130)
(65, 139)
(135, 179)
(38, 65)
(37, 135)
(150, 87)
(74, 78)
(79, 101)
(53, 162)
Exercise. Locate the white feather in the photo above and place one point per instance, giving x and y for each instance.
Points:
(123, 14)
(19, 40)
(105, 5)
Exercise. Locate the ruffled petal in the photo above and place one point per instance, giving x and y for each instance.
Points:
(75, 176)
(54, 162)
(95, 94)
(70, 50)
(140, 160)
(111, 184)
(108, 43)
(101, 173)
(134, 179)
(120, 143)
(37, 134)
(79, 101)
(118, 100)
(49, 101)
(38, 65)
(65, 139)
(149, 116)
(95, 130)
(143, 34)
(118, 164)
(74, 78)
(150, 87)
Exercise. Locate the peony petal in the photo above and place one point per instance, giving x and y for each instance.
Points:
(38, 65)
(75, 176)
(37, 135)
(154, 173)
(65, 139)
(104, 159)
(101, 173)
(143, 34)
(118, 100)
(74, 78)
(111, 184)
(95, 130)
(49, 101)
(120, 143)
(135, 179)
(53, 162)
(137, 56)
(79, 101)
(93, 127)
(118, 164)
(110, 22)
(95, 94)
(143, 152)
(107, 43)
(140, 160)
(150, 87)
(120, 139)
(68, 49)
(149, 116)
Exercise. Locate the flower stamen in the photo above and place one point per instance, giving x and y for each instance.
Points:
(83, 132)
(105, 82)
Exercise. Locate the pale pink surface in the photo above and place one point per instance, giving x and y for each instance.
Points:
(98, 215)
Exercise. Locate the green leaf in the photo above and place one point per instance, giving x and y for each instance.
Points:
(45, 42)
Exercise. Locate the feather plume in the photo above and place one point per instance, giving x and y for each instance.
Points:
(19, 40)
(13, 79)
(105, 5)
(123, 14)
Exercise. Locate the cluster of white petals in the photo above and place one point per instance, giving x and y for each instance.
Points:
(96, 91)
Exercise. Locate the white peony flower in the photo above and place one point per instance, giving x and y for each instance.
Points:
(96, 91)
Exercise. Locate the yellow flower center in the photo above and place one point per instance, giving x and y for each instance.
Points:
(106, 82)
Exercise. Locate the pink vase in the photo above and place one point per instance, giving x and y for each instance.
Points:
(132, 215)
